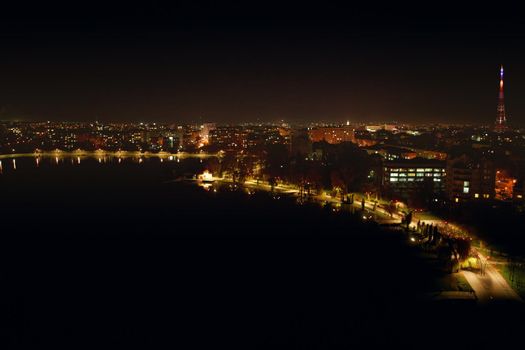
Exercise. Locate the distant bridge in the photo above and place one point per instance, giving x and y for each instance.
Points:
(117, 154)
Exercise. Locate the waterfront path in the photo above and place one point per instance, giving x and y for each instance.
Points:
(490, 286)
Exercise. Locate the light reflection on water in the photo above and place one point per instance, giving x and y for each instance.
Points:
(74, 160)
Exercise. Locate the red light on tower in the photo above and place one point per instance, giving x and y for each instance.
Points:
(501, 119)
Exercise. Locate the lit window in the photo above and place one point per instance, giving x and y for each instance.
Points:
(476, 195)
(465, 189)
(456, 199)
(394, 174)
(420, 170)
(393, 179)
(466, 183)
(412, 174)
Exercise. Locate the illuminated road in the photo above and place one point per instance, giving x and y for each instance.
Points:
(379, 215)
(491, 286)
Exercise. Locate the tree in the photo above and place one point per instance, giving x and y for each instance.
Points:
(391, 208)
(408, 219)
(276, 161)
(227, 163)
(337, 183)
(272, 181)
(213, 165)
(462, 248)
(351, 163)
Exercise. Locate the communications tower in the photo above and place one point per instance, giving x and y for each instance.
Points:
(501, 119)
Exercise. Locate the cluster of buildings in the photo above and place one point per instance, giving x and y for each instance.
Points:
(457, 164)
(453, 164)
(26, 137)
(424, 162)
(465, 177)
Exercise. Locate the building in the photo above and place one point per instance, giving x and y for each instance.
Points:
(387, 127)
(365, 141)
(470, 177)
(332, 135)
(391, 152)
(228, 137)
(416, 180)
(504, 186)
(396, 152)
(206, 128)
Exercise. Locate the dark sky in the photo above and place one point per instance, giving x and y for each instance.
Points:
(244, 61)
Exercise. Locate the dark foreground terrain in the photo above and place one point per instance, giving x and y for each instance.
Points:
(104, 256)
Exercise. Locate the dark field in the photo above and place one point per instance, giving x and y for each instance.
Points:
(111, 256)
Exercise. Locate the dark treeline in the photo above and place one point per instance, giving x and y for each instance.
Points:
(502, 225)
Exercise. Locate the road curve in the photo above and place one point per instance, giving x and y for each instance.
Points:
(491, 286)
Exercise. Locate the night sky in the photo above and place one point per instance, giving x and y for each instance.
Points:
(267, 61)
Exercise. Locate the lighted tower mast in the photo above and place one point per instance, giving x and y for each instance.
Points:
(501, 119)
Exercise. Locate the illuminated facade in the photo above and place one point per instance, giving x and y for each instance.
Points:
(407, 178)
(228, 137)
(470, 178)
(206, 128)
(332, 135)
(504, 188)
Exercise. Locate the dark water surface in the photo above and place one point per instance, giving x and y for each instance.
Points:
(111, 255)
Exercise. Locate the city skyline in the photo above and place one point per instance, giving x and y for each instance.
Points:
(229, 64)
(262, 174)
